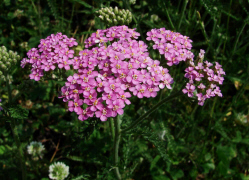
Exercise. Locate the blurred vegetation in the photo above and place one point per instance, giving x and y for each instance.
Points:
(179, 141)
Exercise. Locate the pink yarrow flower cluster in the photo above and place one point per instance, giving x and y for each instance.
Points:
(204, 79)
(108, 75)
(174, 46)
(115, 65)
(53, 51)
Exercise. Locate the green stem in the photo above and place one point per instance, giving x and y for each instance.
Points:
(9, 89)
(167, 14)
(237, 40)
(116, 145)
(71, 19)
(19, 148)
(179, 93)
(111, 127)
(15, 135)
(228, 18)
(62, 20)
(182, 13)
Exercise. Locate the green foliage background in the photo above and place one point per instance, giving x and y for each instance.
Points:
(181, 140)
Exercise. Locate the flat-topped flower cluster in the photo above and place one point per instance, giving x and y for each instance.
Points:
(174, 46)
(108, 75)
(205, 77)
(115, 65)
(52, 51)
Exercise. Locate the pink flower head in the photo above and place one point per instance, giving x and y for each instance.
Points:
(52, 52)
(103, 114)
(201, 74)
(117, 107)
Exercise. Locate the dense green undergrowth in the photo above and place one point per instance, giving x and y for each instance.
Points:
(181, 140)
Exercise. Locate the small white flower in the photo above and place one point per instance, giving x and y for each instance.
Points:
(58, 171)
(35, 149)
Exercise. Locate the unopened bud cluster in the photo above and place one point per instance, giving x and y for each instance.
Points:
(132, 1)
(7, 59)
(114, 16)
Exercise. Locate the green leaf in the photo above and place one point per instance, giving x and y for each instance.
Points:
(208, 156)
(18, 112)
(155, 160)
(2, 149)
(223, 168)
(193, 173)
(160, 177)
(176, 174)
(76, 158)
(244, 176)
(238, 137)
(82, 177)
(226, 153)
(208, 166)
(83, 3)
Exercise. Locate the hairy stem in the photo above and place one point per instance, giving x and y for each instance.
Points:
(116, 145)
(111, 127)
(19, 148)
(15, 135)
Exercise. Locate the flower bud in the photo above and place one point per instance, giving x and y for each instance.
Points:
(4, 49)
(109, 20)
(7, 58)
(130, 19)
(14, 61)
(9, 61)
(112, 15)
(3, 67)
(105, 10)
(109, 12)
(124, 16)
(101, 17)
(106, 16)
(4, 59)
(101, 12)
(18, 58)
(116, 10)
(8, 65)
(7, 55)
(132, 1)
(120, 13)
(122, 20)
